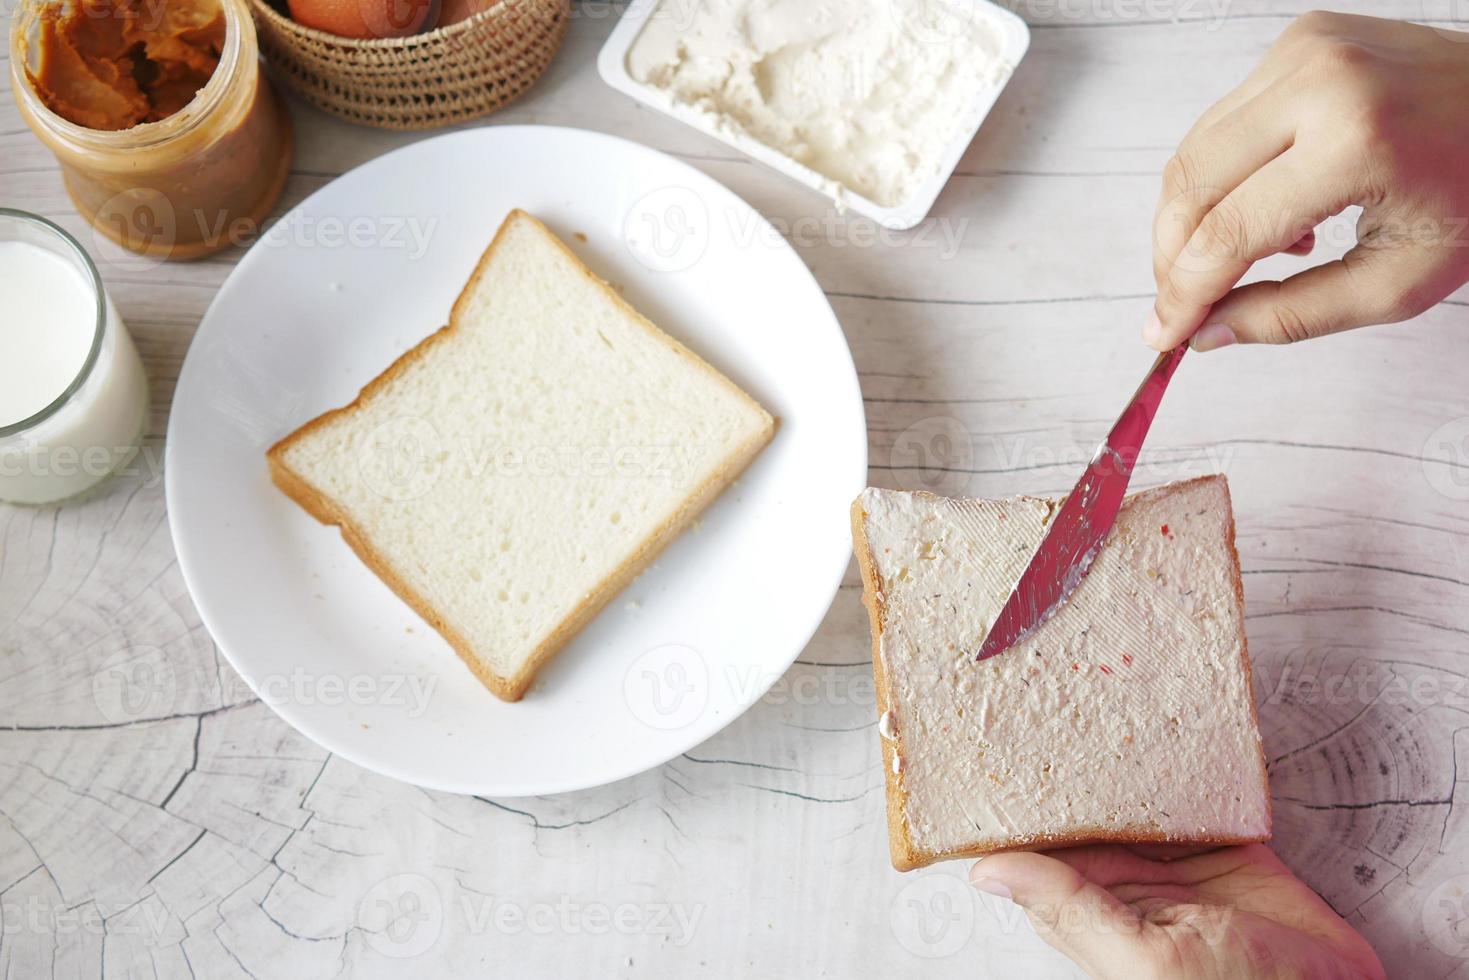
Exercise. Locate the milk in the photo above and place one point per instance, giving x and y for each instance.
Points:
(60, 447)
(48, 314)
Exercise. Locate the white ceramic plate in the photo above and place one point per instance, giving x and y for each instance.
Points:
(365, 268)
(1014, 35)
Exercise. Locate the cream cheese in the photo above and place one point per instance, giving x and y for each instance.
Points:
(885, 726)
(1129, 711)
(867, 93)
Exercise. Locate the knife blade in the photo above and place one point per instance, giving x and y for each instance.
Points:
(1081, 524)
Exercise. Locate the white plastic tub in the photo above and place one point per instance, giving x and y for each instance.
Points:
(1014, 38)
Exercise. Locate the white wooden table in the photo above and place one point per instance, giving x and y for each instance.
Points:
(192, 832)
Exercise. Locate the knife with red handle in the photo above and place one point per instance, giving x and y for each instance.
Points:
(1080, 526)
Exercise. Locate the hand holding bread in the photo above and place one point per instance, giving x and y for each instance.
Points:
(1128, 913)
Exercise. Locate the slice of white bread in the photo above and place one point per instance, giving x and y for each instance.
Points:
(1127, 717)
(516, 469)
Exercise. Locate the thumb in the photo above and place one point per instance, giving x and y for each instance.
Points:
(1071, 913)
(1366, 286)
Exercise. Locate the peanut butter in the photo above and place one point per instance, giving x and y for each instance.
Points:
(170, 140)
(111, 64)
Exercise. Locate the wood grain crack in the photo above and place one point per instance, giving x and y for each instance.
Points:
(539, 825)
(740, 762)
(173, 860)
(810, 799)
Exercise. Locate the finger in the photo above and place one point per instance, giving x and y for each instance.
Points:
(1138, 896)
(1109, 865)
(1073, 914)
(1255, 83)
(1293, 48)
(1271, 210)
(1193, 866)
(1170, 852)
(1211, 164)
(1279, 62)
(1365, 286)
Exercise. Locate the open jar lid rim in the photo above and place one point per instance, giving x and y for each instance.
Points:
(238, 22)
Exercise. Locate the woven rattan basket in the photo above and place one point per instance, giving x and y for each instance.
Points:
(436, 78)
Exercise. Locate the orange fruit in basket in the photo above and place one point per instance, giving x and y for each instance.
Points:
(453, 11)
(362, 19)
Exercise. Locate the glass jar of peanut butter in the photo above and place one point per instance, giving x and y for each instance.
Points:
(171, 141)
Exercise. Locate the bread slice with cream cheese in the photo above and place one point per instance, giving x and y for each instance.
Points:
(515, 470)
(1126, 717)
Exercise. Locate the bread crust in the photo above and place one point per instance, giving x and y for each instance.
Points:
(322, 507)
(906, 855)
(1244, 653)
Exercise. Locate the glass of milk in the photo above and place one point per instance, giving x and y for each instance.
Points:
(73, 396)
